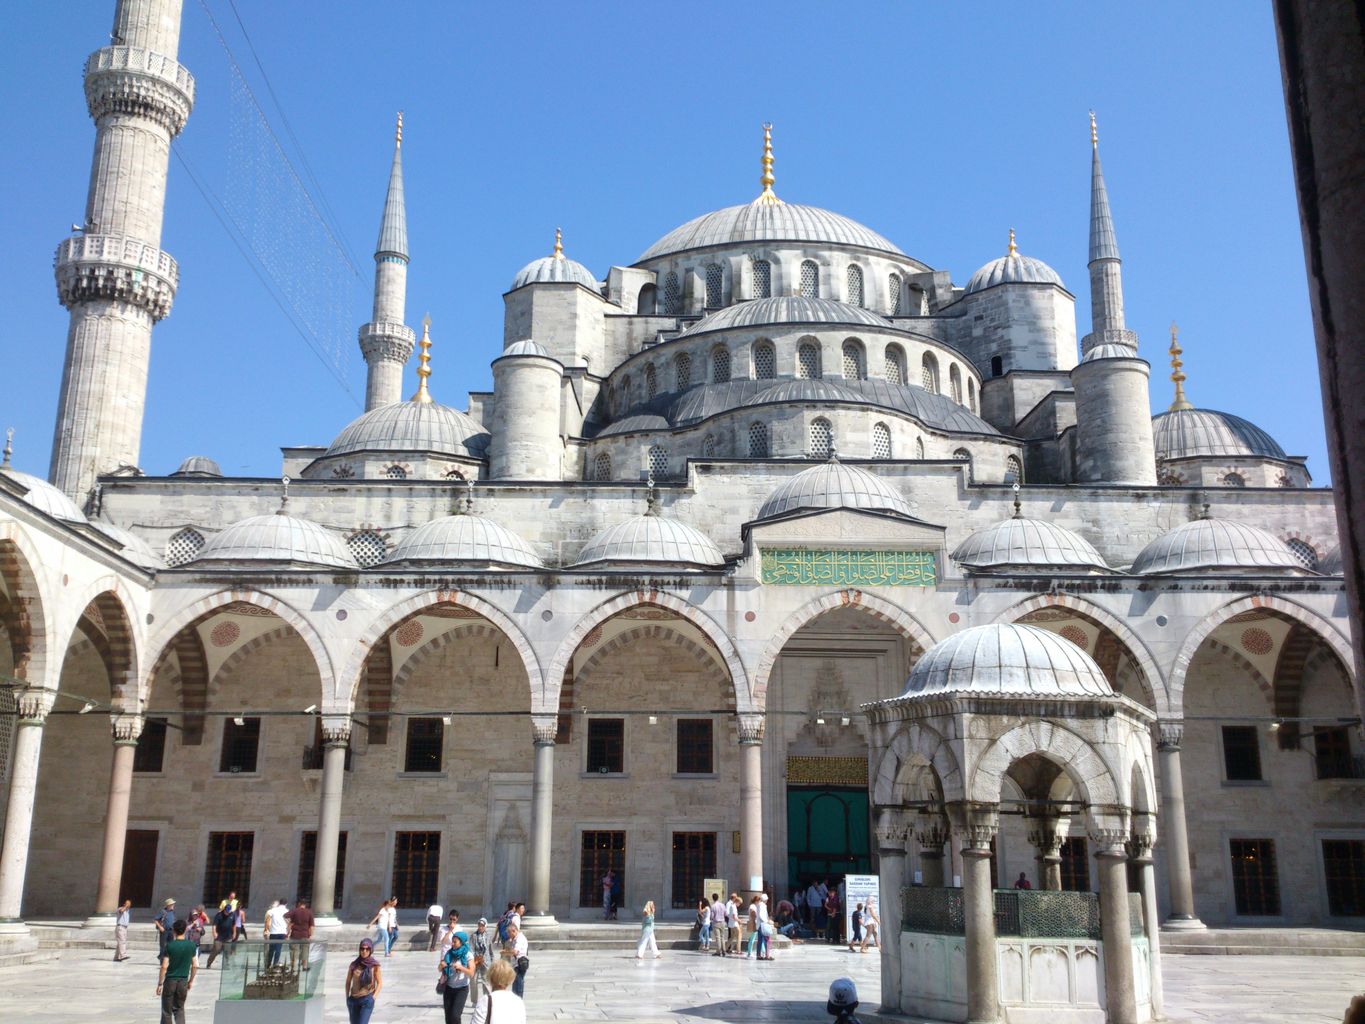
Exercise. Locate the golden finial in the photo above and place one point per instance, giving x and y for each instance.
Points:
(9, 446)
(1181, 402)
(424, 362)
(1013, 249)
(398, 133)
(1094, 132)
(768, 196)
(559, 244)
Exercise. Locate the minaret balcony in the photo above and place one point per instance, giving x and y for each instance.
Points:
(130, 80)
(387, 341)
(116, 268)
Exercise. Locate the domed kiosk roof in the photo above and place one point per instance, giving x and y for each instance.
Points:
(1013, 268)
(1184, 433)
(1027, 544)
(555, 269)
(198, 465)
(412, 426)
(1008, 659)
(1212, 545)
(526, 347)
(833, 485)
(785, 309)
(464, 538)
(760, 221)
(44, 497)
(277, 537)
(651, 538)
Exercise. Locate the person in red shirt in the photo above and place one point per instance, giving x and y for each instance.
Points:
(300, 931)
(1022, 882)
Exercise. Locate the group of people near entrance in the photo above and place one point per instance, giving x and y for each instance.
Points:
(722, 923)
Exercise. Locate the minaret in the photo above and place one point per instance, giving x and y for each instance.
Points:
(386, 342)
(112, 274)
(1113, 405)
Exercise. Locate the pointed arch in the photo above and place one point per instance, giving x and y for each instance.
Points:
(893, 615)
(484, 630)
(27, 620)
(1093, 777)
(115, 624)
(656, 631)
(916, 740)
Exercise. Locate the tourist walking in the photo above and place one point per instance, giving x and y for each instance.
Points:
(516, 951)
(179, 965)
(647, 940)
(301, 923)
(481, 949)
(752, 922)
(609, 895)
(276, 930)
(434, 916)
(195, 927)
(224, 934)
(857, 933)
(230, 903)
(455, 971)
(870, 925)
(364, 979)
(500, 1006)
(386, 920)
(165, 922)
(763, 927)
(719, 927)
(449, 929)
(241, 923)
(703, 925)
(121, 922)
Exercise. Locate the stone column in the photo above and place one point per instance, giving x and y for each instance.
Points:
(983, 990)
(1169, 735)
(750, 803)
(1140, 853)
(33, 708)
(891, 832)
(931, 833)
(1047, 839)
(1112, 857)
(544, 728)
(336, 741)
(126, 728)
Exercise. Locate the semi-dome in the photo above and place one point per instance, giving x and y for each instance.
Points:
(1030, 545)
(526, 347)
(833, 485)
(464, 538)
(134, 548)
(1331, 563)
(1013, 268)
(1008, 659)
(44, 497)
(198, 465)
(786, 309)
(554, 270)
(651, 539)
(412, 427)
(805, 389)
(1183, 433)
(634, 424)
(761, 221)
(277, 537)
(1214, 545)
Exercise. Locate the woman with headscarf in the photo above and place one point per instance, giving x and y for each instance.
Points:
(363, 982)
(455, 972)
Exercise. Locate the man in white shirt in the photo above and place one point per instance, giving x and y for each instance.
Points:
(719, 928)
(276, 928)
(515, 951)
(448, 931)
(434, 914)
(121, 923)
(814, 901)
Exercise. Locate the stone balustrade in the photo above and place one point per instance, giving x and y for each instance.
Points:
(131, 80)
(115, 267)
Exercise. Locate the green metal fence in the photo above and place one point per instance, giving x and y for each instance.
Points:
(1018, 912)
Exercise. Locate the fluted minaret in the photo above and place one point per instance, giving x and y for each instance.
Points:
(1113, 406)
(386, 342)
(112, 274)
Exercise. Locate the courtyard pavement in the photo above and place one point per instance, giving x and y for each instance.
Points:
(683, 986)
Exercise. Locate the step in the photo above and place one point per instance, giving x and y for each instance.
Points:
(1264, 941)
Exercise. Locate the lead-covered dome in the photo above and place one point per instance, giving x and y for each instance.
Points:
(464, 538)
(134, 548)
(805, 389)
(786, 309)
(1215, 545)
(44, 497)
(1183, 433)
(1008, 659)
(198, 465)
(833, 485)
(277, 537)
(1028, 545)
(555, 270)
(412, 427)
(651, 539)
(1013, 268)
(761, 221)
(526, 347)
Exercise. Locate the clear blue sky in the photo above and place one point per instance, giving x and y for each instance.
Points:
(938, 125)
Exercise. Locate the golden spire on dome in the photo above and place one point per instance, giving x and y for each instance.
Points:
(559, 245)
(1094, 132)
(424, 362)
(768, 197)
(1177, 376)
(398, 133)
(9, 446)
(1013, 250)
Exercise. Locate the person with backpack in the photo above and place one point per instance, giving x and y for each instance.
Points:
(364, 980)
(481, 948)
(504, 921)
(224, 934)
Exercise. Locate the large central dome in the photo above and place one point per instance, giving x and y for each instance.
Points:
(768, 222)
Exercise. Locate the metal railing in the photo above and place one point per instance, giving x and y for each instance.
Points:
(1018, 912)
(1340, 766)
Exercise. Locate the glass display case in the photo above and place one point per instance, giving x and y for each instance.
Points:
(269, 981)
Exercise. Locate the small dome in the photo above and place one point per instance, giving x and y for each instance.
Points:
(833, 485)
(1013, 268)
(135, 549)
(1010, 660)
(44, 497)
(768, 222)
(651, 539)
(527, 347)
(1210, 545)
(805, 389)
(786, 309)
(1029, 544)
(412, 427)
(464, 538)
(277, 538)
(555, 270)
(1183, 433)
(1331, 564)
(198, 465)
(1110, 351)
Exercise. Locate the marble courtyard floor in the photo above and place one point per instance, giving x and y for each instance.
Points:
(684, 986)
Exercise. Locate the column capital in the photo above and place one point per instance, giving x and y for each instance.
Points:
(1046, 838)
(975, 824)
(1112, 842)
(544, 729)
(1140, 847)
(34, 704)
(336, 730)
(1169, 734)
(750, 729)
(932, 831)
(892, 828)
(126, 727)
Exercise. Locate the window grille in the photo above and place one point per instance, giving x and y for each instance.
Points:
(821, 438)
(765, 364)
(416, 868)
(8, 707)
(1255, 879)
(658, 461)
(955, 383)
(308, 852)
(150, 753)
(651, 384)
(1241, 753)
(1234, 480)
(808, 361)
(708, 446)
(881, 441)
(695, 746)
(601, 852)
(184, 547)
(714, 281)
(1304, 552)
(368, 548)
(720, 364)
(962, 455)
(672, 294)
(893, 369)
(1332, 755)
(1075, 865)
(228, 867)
(893, 295)
(758, 440)
(929, 374)
(919, 447)
(810, 280)
(343, 472)
(682, 371)
(395, 473)
(1014, 471)
(763, 279)
(1343, 865)
(694, 861)
(607, 745)
(853, 361)
(454, 474)
(854, 290)
(241, 745)
(425, 744)
(601, 467)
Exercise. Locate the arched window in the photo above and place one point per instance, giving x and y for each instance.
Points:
(708, 446)
(971, 394)
(853, 290)
(854, 365)
(395, 473)
(962, 455)
(1014, 470)
(343, 472)
(997, 366)
(1304, 552)
(808, 360)
(715, 281)
(765, 361)
(1234, 480)
(648, 300)
(454, 474)
(919, 447)
(184, 547)
(763, 279)
(894, 300)
(881, 441)
(682, 371)
(955, 383)
(758, 440)
(720, 364)
(928, 374)
(367, 547)
(658, 461)
(623, 399)
(893, 369)
(810, 280)
(651, 383)
(601, 467)
(821, 438)
(672, 294)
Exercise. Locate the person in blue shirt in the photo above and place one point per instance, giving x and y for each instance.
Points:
(165, 925)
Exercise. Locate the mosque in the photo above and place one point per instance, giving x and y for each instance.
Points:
(626, 609)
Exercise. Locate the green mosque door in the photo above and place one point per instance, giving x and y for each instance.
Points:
(827, 833)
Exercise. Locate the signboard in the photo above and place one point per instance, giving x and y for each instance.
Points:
(812, 567)
(714, 885)
(864, 889)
